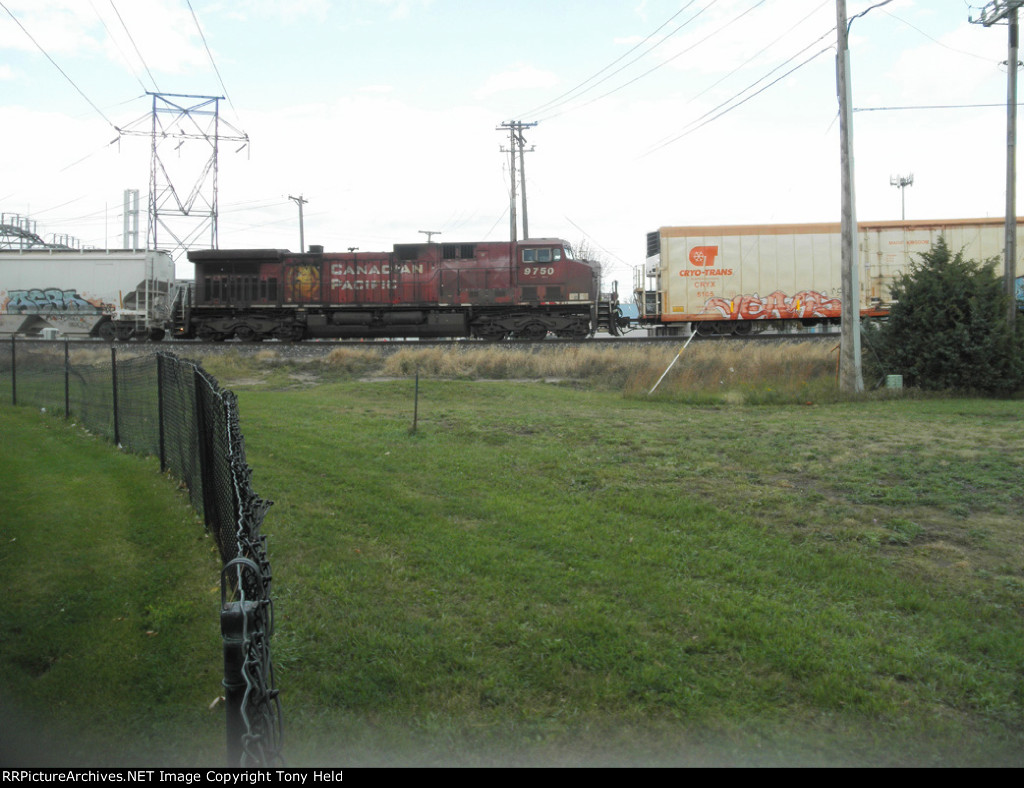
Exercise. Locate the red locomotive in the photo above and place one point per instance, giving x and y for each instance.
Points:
(492, 291)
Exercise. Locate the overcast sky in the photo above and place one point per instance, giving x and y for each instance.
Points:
(383, 114)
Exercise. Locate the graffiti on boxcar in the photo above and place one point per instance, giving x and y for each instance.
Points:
(47, 301)
(777, 306)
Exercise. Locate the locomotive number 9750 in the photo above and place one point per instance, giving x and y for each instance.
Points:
(537, 271)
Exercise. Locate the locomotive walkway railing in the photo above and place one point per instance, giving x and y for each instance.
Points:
(171, 408)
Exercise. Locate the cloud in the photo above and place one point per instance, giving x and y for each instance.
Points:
(163, 31)
(522, 77)
(402, 9)
(289, 11)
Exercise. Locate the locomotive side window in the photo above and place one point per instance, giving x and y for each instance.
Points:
(543, 255)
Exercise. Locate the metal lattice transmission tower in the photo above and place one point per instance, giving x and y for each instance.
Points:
(185, 133)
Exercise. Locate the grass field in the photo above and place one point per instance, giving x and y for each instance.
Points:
(565, 572)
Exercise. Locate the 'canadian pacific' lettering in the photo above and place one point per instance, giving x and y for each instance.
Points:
(373, 269)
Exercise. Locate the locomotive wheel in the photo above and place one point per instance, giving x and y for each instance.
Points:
(489, 332)
(532, 332)
(246, 333)
(576, 332)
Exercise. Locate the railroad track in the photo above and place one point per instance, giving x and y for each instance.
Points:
(316, 347)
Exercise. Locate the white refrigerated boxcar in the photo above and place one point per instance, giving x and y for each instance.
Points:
(111, 294)
(725, 279)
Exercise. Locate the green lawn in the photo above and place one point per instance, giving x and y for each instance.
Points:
(110, 647)
(549, 574)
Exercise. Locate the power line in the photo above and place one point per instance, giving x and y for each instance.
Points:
(210, 55)
(935, 40)
(54, 62)
(116, 44)
(760, 52)
(750, 60)
(137, 52)
(933, 106)
(666, 62)
(696, 124)
(590, 79)
(738, 104)
(630, 63)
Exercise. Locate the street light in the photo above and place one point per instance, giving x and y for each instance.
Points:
(902, 183)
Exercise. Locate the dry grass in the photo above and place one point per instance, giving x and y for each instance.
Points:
(708, 372)
(733, 372)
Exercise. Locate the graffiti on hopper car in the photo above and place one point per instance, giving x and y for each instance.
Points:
(47, 301)
(777, 306)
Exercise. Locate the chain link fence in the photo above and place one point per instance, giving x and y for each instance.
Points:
(161, 405)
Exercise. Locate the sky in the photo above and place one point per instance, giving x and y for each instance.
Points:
(384, 114)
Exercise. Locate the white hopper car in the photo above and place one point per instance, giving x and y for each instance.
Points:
(111, 294)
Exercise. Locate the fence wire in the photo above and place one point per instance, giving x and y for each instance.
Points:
(171, 408)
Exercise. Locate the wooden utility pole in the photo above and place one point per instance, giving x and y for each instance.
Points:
(515, 130)
(994, 12)
(522, 176)
(851, 379)
(302, 230)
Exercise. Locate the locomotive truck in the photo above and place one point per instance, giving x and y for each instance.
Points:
(742, 279)
(111, 294)
(487, 290)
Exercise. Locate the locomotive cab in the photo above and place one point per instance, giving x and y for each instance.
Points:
(549, 273)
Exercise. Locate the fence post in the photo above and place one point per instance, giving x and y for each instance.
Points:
(203, 437)
(113, 376)
(416, 404)
(14, 373)
(160, 409)
(67, 380)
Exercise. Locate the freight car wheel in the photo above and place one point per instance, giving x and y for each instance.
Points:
(106, 331)
(123, 333)
(247, 334)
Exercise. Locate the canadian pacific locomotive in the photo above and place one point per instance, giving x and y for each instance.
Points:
(489, 290)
